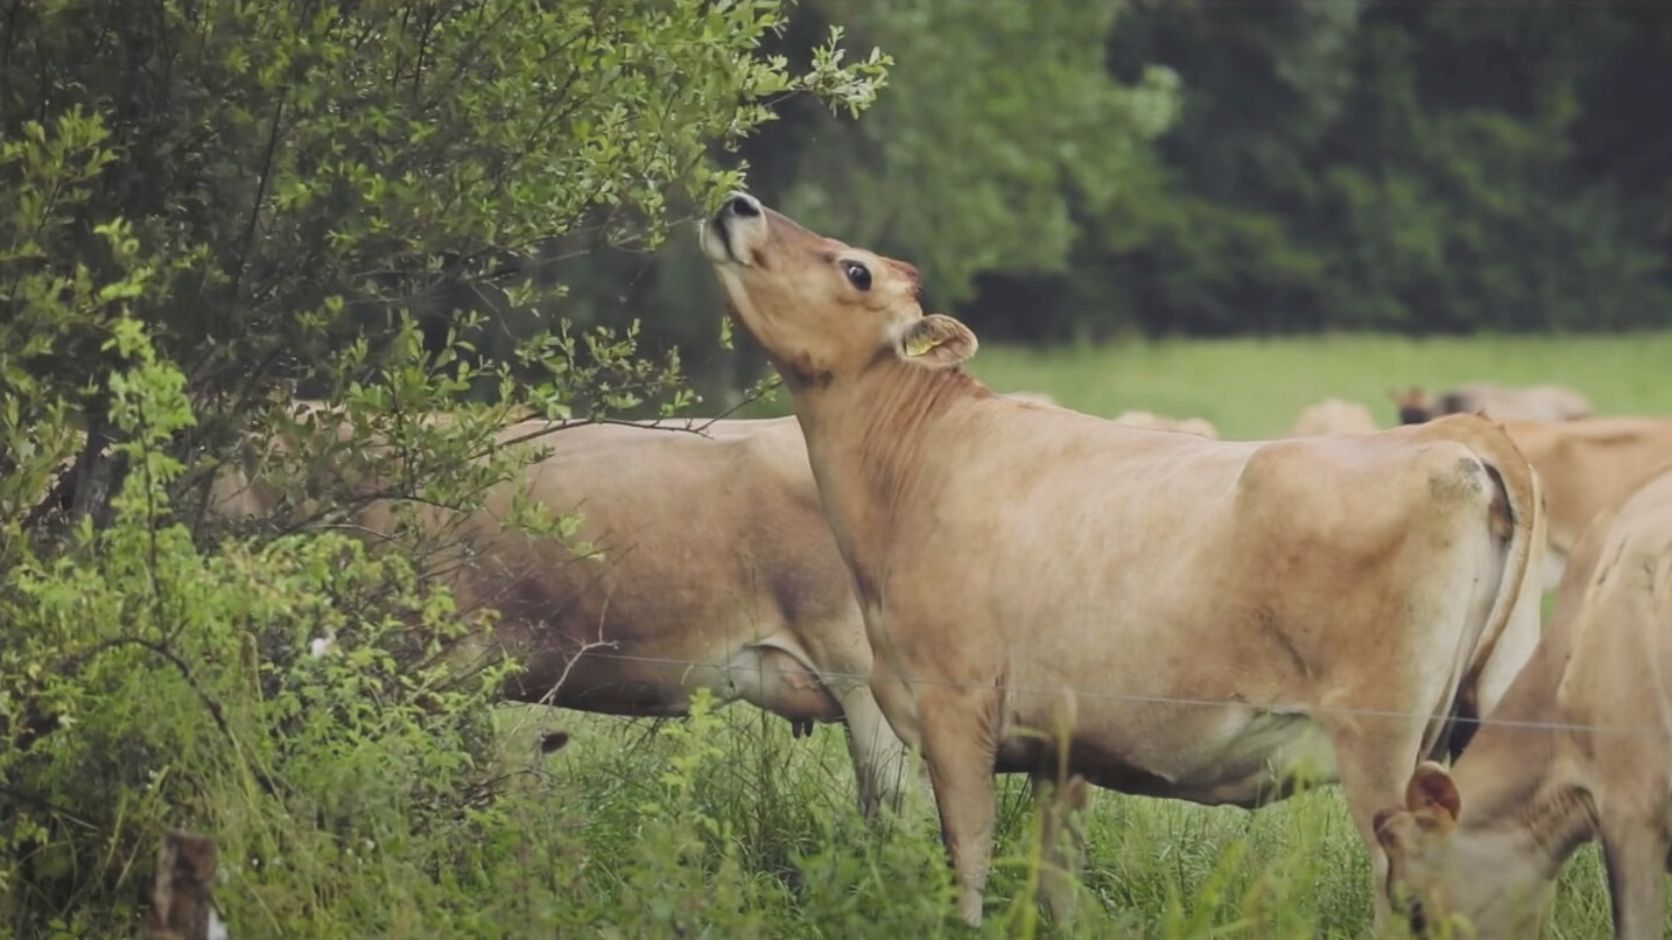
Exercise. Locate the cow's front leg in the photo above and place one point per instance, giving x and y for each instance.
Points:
(959, 743)
(1635, 853)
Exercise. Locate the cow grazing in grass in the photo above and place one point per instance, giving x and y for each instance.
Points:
(1136, 418)
(1038, 398)
(1527, 403)
(1201, 427)
(1580, 748)
(1161, 613)
(711, 565)
(1334, 416)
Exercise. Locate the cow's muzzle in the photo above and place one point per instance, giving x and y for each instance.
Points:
(725, 237)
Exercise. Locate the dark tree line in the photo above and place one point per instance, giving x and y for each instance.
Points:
(1211, 167)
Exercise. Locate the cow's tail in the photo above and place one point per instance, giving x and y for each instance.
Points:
(1522, 508)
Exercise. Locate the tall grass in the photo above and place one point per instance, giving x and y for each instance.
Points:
(784, 847)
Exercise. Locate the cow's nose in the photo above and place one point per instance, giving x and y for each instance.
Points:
(743, 205)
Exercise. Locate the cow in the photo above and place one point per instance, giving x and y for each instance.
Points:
(1200, 427)
(1580, 748)
(1588, 466)
(1161, 613)
(710, 566)
(1135, 417)
(1038, 398)
(1529, 403)
(1334, 416)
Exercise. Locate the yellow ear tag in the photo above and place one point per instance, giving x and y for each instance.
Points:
(921, 343)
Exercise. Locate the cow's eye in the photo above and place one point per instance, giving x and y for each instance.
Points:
(858, 274)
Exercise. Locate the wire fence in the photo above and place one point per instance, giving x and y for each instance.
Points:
(1645, 730)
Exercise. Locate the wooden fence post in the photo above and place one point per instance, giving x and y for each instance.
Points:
(181, 905)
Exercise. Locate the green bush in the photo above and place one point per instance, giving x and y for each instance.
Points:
(207, 210)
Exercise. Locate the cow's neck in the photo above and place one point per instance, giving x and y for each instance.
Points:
(1519, 775)
(868, 436)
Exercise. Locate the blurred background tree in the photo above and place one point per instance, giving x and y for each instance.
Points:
(1072, 171)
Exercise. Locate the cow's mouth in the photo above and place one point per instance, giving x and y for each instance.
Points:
(716, 241)
(719, 240)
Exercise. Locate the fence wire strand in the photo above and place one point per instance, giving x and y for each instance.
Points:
(1142, 699)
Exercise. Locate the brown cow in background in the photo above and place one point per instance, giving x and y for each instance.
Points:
(1503, 402)
(712, 567)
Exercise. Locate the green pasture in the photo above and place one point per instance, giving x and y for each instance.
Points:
(1254, 388)
(785, 854)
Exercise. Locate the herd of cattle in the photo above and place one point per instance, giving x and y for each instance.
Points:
(1001, 585)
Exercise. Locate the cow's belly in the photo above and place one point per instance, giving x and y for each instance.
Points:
(1261, 757)
(1225, 755)
(777, 681)
(640, 683)
(603, 681)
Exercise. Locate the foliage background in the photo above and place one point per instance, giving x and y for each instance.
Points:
(1067, 171)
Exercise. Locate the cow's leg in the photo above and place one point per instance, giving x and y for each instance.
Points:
(1635, 853)
(1059, 839)
(881, 762)
(959, 744)
(1374, 758)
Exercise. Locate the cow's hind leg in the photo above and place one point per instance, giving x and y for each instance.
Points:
(1635, 855)
(880, 761)
(1059, 838)
(959, 744)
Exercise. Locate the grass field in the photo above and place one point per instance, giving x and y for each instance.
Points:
(767, 843)
(1255, 388)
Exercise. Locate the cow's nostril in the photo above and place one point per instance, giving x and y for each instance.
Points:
(744, 206)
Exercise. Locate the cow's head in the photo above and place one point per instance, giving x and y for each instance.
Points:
(821, 309)
(1441, 872)
(1415, 405)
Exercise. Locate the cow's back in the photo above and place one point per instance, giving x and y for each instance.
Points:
(1591, 465)
(695, 544)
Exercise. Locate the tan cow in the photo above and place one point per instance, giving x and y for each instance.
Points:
(1529, 403)
(1579, 749)
(1588, 466)
(1200, 427)
(1136, 418)
(1185, 617)
(1038, 398)
(1334, 416)
(717, 570)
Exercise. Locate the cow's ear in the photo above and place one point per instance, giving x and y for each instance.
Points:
(1431, 788)
(937, 341)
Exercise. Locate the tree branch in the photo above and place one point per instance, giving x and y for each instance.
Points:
(260, 197)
